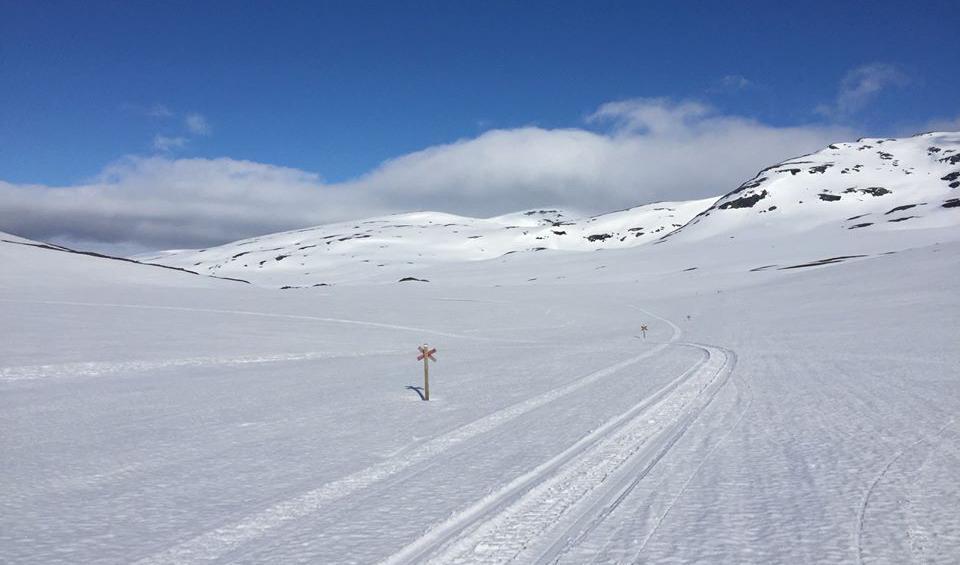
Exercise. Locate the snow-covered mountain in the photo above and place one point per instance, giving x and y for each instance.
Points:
(871, 184)
(837, 198)
(403, 244)
(734, 393)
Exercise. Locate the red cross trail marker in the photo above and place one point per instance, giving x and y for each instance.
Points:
(426, 355)
(643, 330)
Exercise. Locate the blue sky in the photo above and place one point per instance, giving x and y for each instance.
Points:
(334, 89)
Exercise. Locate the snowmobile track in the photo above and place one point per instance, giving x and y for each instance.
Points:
(499, 527)
(216, 543)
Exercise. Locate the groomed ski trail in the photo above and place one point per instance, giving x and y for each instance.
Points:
(499, 527)
(213, 544)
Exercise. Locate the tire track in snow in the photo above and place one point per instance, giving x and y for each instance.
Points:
(215, 543)
(500, 526)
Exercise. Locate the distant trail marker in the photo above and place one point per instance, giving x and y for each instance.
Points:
(426, 355)
(643, 330)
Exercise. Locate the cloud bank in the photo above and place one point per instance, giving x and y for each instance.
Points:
(630, 152)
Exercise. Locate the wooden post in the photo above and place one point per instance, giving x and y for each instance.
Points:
(426, 378)
(427, 355)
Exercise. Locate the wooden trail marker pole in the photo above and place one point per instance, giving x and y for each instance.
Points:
(426, 354)
(643, 330)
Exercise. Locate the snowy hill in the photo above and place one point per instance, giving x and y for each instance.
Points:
(869, 196)
(871, 185)
(778, 408)
(36, 262)
(393, 247)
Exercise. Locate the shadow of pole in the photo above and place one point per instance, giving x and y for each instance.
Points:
(418, 390)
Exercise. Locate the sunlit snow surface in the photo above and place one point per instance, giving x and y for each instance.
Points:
(782, 408)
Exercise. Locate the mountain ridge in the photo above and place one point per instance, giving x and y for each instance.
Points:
(843, 191)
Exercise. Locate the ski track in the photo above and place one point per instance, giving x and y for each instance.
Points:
(683, 488)
(107, 368)
(499, 527)
(269, 315)
(861, 515)
(213, 544)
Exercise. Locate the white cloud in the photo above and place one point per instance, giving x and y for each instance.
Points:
(197, 124)
(861, 86)
(732, 83)
(164, 143)
(657, 116)
(654, 149)
(159, 111)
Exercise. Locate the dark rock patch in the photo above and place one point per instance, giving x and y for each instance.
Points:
(857, 217)
(598, 237)
(820, 168)
(744, 201)
(900, 208)
(557, 232)
(827, 261)
(763, 268)
(690, 269)
(745, 186)
(952, 160)
(902, 219)
(885, 156)
(871, 190)
(933, 149)
(829, 197)
(856, 226)
(412, 279)
(785, 164)
(952, 203)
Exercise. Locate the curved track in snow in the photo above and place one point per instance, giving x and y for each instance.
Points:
(525, 513)
(218, 542)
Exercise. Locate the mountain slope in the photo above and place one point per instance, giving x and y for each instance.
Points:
(872, 185)
(392, 247)
(865, 197)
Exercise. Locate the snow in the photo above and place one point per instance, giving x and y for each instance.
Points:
(393, 247)
(775, 412)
